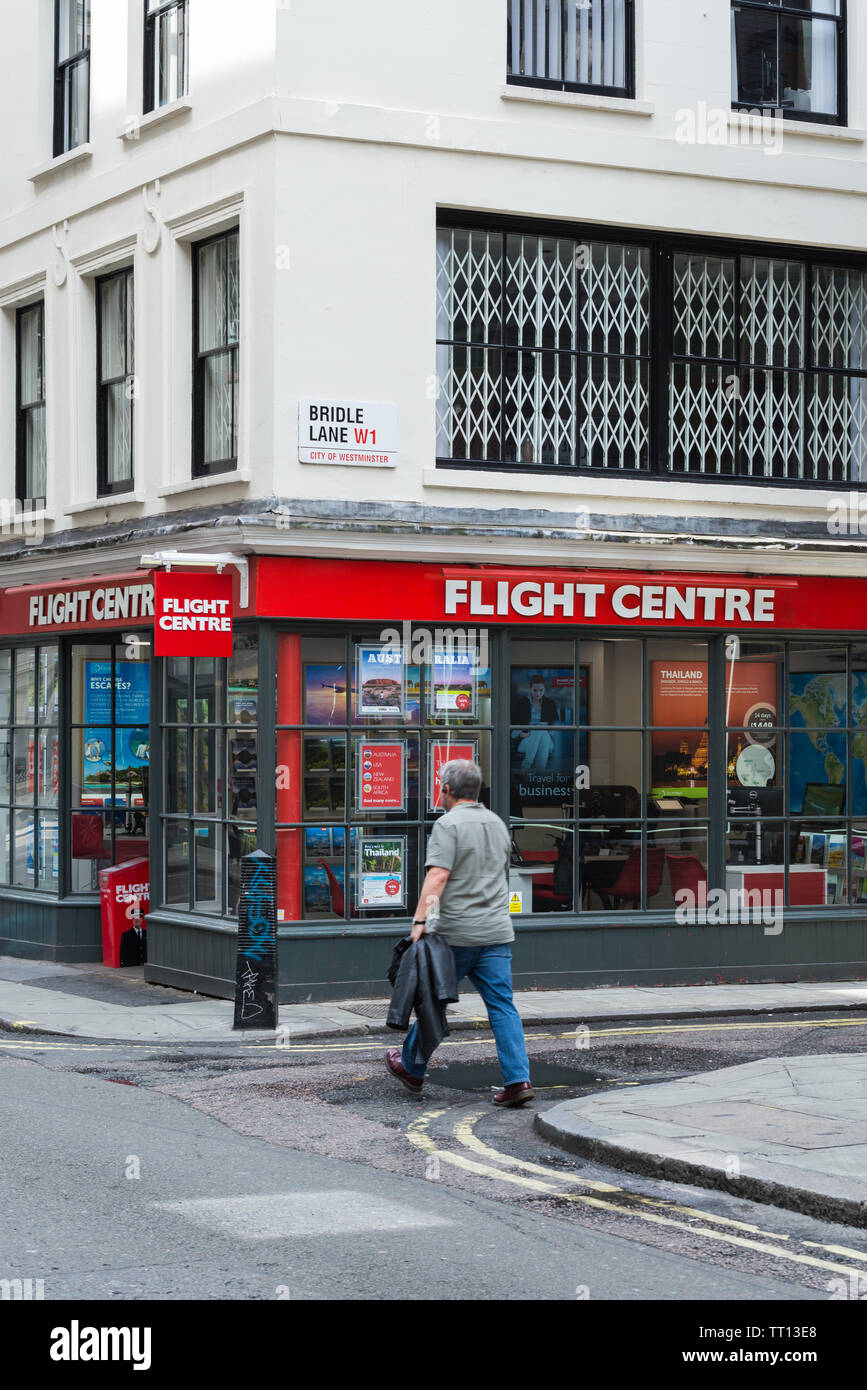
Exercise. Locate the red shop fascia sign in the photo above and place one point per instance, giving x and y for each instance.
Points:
(390, 591)
(382, 591)
(123, 601)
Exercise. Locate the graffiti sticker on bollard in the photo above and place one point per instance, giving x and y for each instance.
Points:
(256, 977)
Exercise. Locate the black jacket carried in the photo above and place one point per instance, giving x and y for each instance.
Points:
(424, 979)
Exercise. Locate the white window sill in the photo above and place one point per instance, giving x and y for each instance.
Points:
(137, 126)
(742, 120)
(97, 504)
(63, 161)
(582, 101)
(21, 518)
(195, 484)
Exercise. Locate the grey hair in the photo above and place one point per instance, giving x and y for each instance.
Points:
(463, 778)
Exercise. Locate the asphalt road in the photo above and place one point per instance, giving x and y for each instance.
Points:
(257, 1171)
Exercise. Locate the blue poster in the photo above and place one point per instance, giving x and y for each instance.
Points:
(132, 708)
(542, 751)
(817, 760)
(132, 692)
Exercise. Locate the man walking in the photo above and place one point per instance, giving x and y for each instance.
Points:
(467, 890)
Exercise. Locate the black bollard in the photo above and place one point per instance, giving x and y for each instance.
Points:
(256, 975)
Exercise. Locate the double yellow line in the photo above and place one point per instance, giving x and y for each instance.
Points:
(737, 1233)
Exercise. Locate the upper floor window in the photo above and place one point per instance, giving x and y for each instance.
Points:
(216, 311)
(572, 45)
(789, 55)
(165, 50)
(115, 383)
(30, 431)
(71, 74)
(752, 366)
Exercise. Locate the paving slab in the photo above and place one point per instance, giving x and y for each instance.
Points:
(763, 1141)
(120, 1005)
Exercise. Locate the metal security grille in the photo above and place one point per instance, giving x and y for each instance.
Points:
(669, 357)
(543, 349)
(746, 396)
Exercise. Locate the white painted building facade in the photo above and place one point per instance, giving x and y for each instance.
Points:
(355, 149)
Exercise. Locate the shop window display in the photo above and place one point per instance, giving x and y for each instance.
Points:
(211, 747)
(796, 814)
(632, 777)
(109, 760)
(363, 727)
(29, 768)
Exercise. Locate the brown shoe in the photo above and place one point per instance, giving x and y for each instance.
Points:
(516, 1094)
(398, 1070)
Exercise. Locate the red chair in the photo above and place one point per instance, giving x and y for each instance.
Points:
(338, 900)
(88, 837)
(545, 895)
(685, 871)
(628, 885)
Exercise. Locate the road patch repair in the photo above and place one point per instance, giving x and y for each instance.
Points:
(279, 1215)
(788, 1131)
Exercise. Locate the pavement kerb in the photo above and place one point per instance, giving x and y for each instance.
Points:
(825, 1206)
(456, 1024)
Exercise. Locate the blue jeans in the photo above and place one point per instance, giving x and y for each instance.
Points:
(489, 969)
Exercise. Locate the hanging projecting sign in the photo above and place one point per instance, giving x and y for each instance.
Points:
(347, 432)
(192, 614)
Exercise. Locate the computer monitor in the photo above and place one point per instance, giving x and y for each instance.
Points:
(755, 801)
(824, 799)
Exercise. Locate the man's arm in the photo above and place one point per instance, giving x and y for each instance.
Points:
(431, 891)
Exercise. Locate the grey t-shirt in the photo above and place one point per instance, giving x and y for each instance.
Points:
(474, 845)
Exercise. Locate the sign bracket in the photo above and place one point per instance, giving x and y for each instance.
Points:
(165, 559)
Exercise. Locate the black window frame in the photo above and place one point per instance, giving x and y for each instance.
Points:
(780, 9)
(105, 488)
(21, 411)
(663, 248)
(41, 808)
(626, 92)
(75, 729)
(151, 76)
(201, 469)
(714, 822)
(220, 730)
(62, 72)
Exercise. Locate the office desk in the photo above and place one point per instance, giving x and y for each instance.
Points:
(808, 883)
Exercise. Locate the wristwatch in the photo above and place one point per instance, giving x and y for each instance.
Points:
(419, 922)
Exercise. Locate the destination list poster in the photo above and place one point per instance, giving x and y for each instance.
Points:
(380, 775)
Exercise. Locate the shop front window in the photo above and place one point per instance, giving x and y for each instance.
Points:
(635, 774)
(796, 816)
(210, 793)
(109, 760)
(363, 725)
(29, 768)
